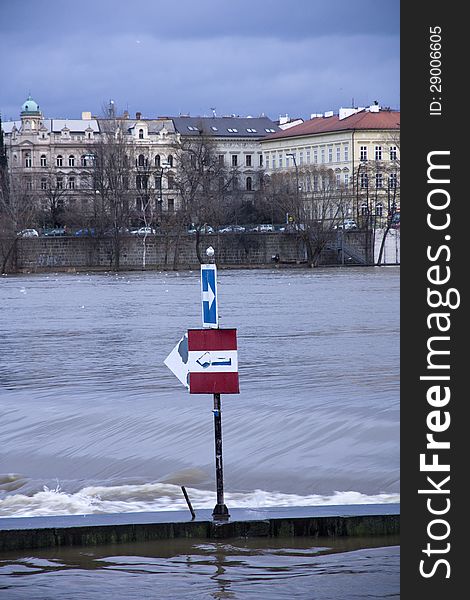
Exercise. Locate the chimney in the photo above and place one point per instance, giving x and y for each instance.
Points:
(138, 115)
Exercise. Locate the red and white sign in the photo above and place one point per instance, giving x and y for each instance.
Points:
(213, 361)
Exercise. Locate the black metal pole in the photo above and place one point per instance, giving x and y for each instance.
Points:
(220, 510)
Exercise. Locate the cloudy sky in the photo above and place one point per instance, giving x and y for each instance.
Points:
(164, 58)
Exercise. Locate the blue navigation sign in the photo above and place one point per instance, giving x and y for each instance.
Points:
(210, 316)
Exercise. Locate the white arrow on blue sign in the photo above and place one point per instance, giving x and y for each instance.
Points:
(210, 316)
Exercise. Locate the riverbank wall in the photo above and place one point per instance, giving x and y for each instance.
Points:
(17, 534)
(172, 253)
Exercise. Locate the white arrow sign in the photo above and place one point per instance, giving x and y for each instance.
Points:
(178, 361)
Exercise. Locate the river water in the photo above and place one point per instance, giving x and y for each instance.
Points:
(93, 421)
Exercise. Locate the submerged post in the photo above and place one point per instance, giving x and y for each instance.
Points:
(220, 510)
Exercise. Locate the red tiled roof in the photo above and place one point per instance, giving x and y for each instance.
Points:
(384, 119)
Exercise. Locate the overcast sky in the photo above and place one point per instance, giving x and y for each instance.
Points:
(163, 57)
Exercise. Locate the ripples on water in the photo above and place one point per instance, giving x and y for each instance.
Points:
(177, 569)
(88, 406)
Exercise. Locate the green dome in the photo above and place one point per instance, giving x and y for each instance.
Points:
(30, 107)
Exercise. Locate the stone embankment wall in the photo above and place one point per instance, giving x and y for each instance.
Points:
(159, 252)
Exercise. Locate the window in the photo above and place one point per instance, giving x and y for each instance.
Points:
(330, 154)
(170, 160)
(322, 155)
(232, 130)
(141, 161)
(235, 183)
(363, 153)
(71, 183)
(141, 134)
(43, 183)
(338, 180)
(364, 209)
(301, 158)
(171, 182)
(260, 160)
(27, 160)
(338, 153)
(315, 155)
(60, 183)
(249, 184)
(308, 157)
(221, 159)
(315, 183)
(379, 180)
(59, 161)
(214, 128)
(191, 128)
(171, 205)
(393, 180)
(234, 160)
(364, 181)
(346, 180)
(379, 209)
(393, 153)
(269, 130)
(157, 160)
(346, 153)
(43, 160)
(378, 153)
(248, 160)
(267, 161)
(83, 160)
(280, 161)
(71, 160)
(29, 184)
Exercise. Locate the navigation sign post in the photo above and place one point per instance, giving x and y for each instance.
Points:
(206, 362)
(210, 314)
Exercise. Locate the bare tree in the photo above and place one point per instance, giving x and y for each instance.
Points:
(204, 184)
(313, 203)
(110, 177)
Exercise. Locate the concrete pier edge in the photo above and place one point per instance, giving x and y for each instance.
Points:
(21, 533)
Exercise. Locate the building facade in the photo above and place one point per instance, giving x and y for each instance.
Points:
(355, 154)
(56, 159)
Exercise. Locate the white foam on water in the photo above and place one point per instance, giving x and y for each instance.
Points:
(150, 497)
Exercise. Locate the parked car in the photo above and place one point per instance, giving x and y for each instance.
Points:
(28, 233)
(55, 231)
(204, 229)
(87, 231)
(346, 224)
(143, 231)
(265, 227)
(232, 229)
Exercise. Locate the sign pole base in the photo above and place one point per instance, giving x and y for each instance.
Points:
(220, 510)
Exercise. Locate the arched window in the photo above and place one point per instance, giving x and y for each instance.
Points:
(364, 209)
(59, 160)
(249, 184)
(157, 160)
(83, 161)
(379, 209)
(43, 160)
(71, 160)
(27, 160)
(141, 134)
(141, 161)
(170, 160)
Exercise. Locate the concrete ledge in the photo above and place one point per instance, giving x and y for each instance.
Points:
(93, 530)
